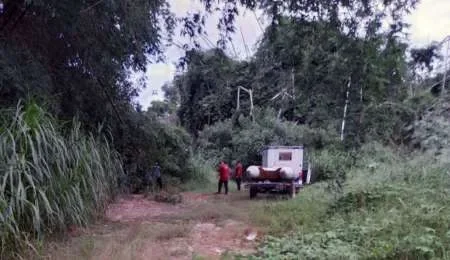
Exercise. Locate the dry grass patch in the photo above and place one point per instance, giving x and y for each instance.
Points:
(125, 242)
(170, 231)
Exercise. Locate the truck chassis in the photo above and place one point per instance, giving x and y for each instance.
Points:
(290, 188)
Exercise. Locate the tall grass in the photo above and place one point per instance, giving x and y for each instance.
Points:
(202, 175)
(48, 179)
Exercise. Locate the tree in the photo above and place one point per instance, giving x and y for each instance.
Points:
(76, 56)
(207, 89)
(82, 52)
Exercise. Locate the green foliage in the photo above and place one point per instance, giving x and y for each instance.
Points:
(93, 47)
(331, 164)
(201, 173)
(152, 140)
(387, 122)
(301, 215)
(49, 179)
(393, 207)
(316, 63)
(244, 140)
(208, 77)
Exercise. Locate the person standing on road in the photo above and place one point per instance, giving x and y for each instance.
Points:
(238, 174)
(157, 174)
(224, 171)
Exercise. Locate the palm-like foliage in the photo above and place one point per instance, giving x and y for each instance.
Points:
(49, 180)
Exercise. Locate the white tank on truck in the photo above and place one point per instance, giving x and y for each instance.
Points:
(284, 173)
(287, 173)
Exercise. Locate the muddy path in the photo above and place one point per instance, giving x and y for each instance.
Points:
(202, 226)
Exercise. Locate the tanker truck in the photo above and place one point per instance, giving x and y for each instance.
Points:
(282, 171)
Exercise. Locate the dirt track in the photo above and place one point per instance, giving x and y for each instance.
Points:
(135, 227)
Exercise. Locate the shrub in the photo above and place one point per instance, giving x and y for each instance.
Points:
(49, 180)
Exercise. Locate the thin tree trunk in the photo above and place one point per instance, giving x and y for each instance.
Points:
(251, 104)
(293, 82)
(344, 117)
(444, 80)
(361, 94)
(238, 96)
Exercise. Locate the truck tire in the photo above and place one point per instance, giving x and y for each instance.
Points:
(253, 192)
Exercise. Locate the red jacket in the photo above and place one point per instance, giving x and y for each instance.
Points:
(238, 170)
(224, 172)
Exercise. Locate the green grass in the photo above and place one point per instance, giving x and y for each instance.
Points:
(49, 180)
(391, 207)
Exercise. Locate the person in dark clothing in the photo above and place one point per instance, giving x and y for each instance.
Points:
(157, 175)
(224, 173)
(238, 174)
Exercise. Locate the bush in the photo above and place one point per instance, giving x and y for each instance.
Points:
(49, 180)
(331, 164)
(201, 173)
(387, 122)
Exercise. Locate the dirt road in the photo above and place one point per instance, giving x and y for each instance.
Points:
(202, 226)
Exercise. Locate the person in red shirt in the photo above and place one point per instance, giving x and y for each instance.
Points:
(238, 174)
(224, 173)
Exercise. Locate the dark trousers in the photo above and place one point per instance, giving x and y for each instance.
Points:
(224, 183)
(159, 181)
(238, 183)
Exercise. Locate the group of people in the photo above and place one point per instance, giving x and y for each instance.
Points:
(225, 174)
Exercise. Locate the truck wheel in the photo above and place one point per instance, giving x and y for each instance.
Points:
(253, 192)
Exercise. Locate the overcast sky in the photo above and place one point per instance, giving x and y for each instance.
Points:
(429, 22)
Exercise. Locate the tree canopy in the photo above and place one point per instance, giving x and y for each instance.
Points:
(77, 57)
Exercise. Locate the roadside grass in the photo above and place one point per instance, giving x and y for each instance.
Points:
(125, 241)
(280, 216)
(392, 206)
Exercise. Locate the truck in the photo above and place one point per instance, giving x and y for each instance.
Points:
(282, 171)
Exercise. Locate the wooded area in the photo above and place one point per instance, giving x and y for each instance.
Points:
(328, 74)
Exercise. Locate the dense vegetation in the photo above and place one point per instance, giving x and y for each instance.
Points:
(51, 177)
(393, 206)
(71, 134)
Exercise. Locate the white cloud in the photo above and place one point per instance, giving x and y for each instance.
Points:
(429, 22)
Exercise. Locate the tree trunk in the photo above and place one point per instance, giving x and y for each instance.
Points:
(444, 80)
(344, 117)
